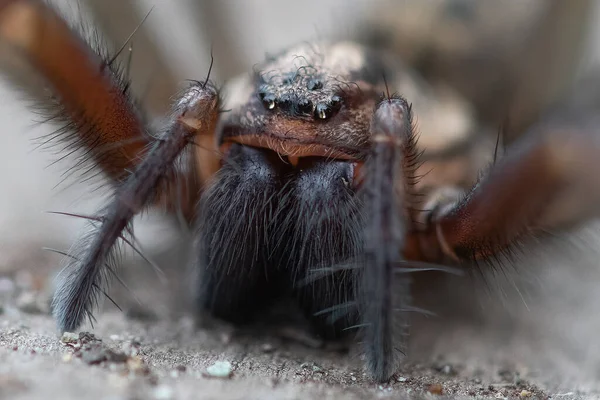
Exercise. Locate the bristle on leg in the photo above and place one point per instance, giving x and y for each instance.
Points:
(88, 269)
(387, 194)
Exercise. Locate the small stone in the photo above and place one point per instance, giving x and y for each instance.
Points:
(181, 368)
(69, 337)
(87, 337)
(67, 357)
(163, 392)
(525, 393)
(115, 337)
(220, 369)
(353, 378)
(402, 379)
(436, 389)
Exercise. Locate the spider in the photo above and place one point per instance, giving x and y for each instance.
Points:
(304, 179)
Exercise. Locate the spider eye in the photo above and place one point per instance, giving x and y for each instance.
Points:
(268, 100)
(314, 84)
(285, 102)
(329, 109)
(335, 102)
(305, 106)
(322, 111)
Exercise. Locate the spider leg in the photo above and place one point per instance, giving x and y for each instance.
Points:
(92, 97)
(387, 191)
(546, 182)
(86, 274)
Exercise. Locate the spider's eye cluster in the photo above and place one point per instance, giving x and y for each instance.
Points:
(296, 105)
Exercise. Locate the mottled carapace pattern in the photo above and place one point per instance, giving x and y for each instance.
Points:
(318, 99)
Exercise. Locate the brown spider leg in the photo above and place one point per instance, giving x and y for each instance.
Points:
(548, 181)
(88, 270)
(107, 125)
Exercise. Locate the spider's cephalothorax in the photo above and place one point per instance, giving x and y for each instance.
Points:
(311, 184)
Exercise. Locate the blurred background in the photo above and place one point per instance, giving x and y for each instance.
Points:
(508, 58)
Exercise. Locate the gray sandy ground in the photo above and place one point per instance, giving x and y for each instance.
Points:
(36, 365)
(525, 344)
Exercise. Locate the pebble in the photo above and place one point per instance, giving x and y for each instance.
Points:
(312, 366)
(220, 369)
(69, 337)
(402, 379)
(525, 393)
(436, 388)
(87, 337)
